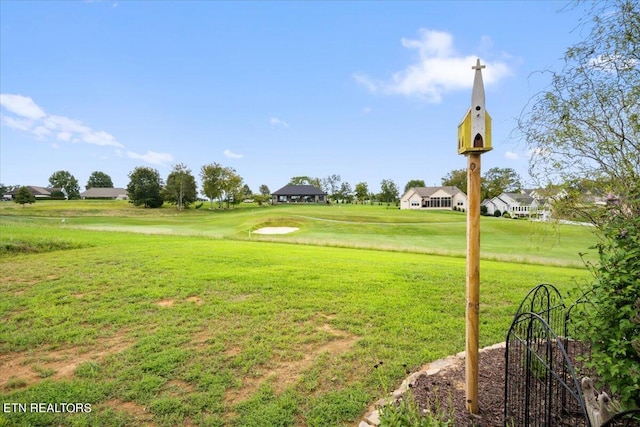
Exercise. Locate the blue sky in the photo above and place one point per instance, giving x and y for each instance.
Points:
(365, 90)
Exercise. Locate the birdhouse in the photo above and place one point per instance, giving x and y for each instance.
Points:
(474, 132)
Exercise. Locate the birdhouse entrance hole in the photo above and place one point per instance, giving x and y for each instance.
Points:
(477, 141)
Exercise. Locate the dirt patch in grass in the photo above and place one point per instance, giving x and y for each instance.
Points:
(165, 303)
(195, 300)
(27, 368)
(286, 373)
(170, 302)
(138, 412)
(200, 338)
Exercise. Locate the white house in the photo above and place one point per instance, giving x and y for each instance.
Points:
(517, 205)
(433, 198)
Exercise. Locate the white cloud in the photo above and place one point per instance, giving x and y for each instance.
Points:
(231, 155)
(29, 118)
(152, 157)
(367, 110)
(22, 106)
(64, 136)
(24, 115)
(22, 125)
(439, 69)
(511, 155)
(277, 122)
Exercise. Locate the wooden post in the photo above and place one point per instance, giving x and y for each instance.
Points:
(473, 280)
(474, 138)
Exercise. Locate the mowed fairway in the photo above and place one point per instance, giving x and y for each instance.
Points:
(158, 318)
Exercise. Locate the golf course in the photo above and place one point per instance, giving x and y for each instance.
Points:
(125, 316)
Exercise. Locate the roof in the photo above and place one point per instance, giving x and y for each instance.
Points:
(35, 190)
(430, 191)
(520, 198)
(299, 190)
(104, 192)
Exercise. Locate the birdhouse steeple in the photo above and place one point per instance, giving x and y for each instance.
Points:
(474, 132)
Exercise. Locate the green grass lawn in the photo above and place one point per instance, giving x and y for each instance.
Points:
(355, 226)
(190, 319)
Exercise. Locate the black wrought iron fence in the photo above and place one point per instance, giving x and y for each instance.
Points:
(542, 368)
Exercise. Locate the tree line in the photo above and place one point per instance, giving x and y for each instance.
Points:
(225, 186)
(494, 182)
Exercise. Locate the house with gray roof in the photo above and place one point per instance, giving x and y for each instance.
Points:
(298, 194)
(434, 198)
(517, 205)
(38, 192)
(105, 193)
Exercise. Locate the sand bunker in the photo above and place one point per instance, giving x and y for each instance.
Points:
(276, 230)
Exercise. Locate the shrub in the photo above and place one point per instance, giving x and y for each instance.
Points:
(497, 213)
(612, 321)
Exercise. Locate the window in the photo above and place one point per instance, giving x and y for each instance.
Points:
(438, 202)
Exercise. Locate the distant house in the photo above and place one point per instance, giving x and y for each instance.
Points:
(518, 205)
(298, 194)
(105, 193)
(433, 198)
(38, 192)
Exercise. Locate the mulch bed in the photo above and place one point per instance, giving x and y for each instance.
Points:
(443, 392)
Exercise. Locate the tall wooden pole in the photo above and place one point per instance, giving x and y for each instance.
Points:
(473, 280)
(474, 138)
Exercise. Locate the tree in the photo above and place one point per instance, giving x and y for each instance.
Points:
(500, 180)
(99, 180)
(221, 183)
(414, 183)
(388, 191)
(24, 196)
(586, 124)
(264, 191)
(456, 178)
(211, 176)
(331, 185)
(67, 182)
(305, 180)
(181, 188)
(345, 193)
(231, 186)
(585, 130)
(144, 188)
(246, 191)
(362, 191)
